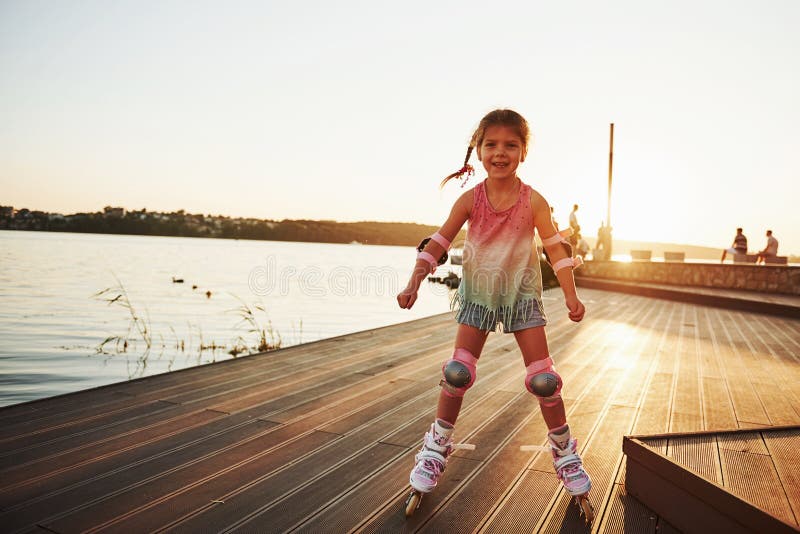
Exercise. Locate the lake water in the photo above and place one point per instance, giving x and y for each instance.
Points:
(52, 324)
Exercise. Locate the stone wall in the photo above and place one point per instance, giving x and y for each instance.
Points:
(766, 278)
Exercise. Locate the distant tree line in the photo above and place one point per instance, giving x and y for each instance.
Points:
(142, 222)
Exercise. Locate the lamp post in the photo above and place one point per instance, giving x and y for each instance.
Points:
(607, 244)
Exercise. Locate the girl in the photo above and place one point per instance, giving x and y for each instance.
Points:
(501, 283)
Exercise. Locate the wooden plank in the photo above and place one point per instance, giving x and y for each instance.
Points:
(718, 406)
(686, 413)
(283, 514)
(654, 386)
(746, 402)
(28, 412)
(48, 437)
(206, 481)
(96, 490)
(766, 374)
(523, 515)
(389, 485)
(751, 442)
(698, 454)
(627, 515)
(783, 447)
(753, 477)
(44, 466)
(56, 482)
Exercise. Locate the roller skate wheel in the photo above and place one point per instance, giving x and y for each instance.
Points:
(412, 502)
(585, 508)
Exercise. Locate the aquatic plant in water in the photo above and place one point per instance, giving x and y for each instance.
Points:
(265, 335)
(255, 334)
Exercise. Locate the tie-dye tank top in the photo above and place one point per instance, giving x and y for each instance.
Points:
(501, 277)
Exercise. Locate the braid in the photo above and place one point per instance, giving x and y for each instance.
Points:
(465, 169)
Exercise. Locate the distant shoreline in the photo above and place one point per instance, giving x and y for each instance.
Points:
(118, 221)
(196, 237)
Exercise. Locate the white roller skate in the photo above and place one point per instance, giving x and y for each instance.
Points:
(431, 461)
(569, 468)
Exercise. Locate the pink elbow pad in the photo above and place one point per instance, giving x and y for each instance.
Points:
(560, 264)
(439, 238)
(558, 237)
(427, 257)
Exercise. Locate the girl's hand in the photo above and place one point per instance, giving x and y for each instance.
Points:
(407, 298)
(576, 308)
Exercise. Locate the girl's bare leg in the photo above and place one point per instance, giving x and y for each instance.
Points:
(566, 459)
(533, 344)
(472, 339)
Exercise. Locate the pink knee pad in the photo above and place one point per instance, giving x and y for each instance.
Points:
(458, 373)
(543, 381)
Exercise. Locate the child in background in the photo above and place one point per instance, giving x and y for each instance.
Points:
(501, 283)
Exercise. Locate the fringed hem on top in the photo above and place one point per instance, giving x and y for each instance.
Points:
(489, 318)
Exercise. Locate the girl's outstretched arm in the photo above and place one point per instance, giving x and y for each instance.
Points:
(449, 230)
(544, 225)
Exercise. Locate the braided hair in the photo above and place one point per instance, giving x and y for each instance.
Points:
(498, 117)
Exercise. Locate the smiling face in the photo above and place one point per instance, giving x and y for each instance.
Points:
(501, 151)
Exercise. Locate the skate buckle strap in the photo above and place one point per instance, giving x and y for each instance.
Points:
(535, 448)
(443, 445)
(428, 454)
(567, 460)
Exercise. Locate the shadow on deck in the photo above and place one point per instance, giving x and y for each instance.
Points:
(320, 437)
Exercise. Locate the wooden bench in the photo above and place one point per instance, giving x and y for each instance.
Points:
(674, 256)
(745, 258)
(641, 255)
(777, 260)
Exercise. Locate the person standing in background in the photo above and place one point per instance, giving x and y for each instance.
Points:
(573, 220)
(575, 227)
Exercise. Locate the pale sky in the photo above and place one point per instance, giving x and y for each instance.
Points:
(355, 110)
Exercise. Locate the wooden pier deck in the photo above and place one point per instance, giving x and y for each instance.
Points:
(320, 437)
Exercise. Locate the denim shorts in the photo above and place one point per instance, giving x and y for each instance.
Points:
(526, 315)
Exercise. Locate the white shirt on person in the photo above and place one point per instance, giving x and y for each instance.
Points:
(772, 246)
